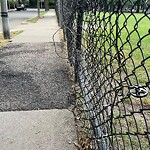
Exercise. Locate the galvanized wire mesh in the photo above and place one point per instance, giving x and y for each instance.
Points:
(108, 44)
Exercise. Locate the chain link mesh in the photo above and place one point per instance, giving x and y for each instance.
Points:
(108, 44)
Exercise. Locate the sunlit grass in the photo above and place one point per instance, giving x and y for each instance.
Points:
(122, 41)
(119, 44)
(35, 19)
(4, 42)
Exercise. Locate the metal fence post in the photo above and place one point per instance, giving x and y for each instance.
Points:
(59, 3)
(78, 37)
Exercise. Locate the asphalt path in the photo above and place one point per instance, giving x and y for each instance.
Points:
(17, 17)
(33, 77)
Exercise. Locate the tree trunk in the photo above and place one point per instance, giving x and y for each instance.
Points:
(138, 6)
(46, 5)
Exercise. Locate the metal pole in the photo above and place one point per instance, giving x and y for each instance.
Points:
(59, 12)
(5, 20)
(78, 37)
(38, 7)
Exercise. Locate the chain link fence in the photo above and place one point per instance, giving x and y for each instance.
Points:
(108, 45)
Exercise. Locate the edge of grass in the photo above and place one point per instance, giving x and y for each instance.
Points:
(4, 42)
(35, 19)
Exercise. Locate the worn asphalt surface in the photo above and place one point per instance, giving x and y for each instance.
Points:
(33, 77)
(34, 88)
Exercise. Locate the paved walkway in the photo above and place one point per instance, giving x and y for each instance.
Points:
(34, 87)
(39, 32)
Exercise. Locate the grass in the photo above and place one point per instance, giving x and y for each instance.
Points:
(124, 126)
(102, 41)
(4, 42)
(132, 39)
(34, 20)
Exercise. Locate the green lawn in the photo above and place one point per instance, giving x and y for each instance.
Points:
(103, 39)
(130, 38)
(35, 19)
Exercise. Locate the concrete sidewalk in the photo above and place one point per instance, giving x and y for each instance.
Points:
(37, 130)
(39, 32)
(34, 91)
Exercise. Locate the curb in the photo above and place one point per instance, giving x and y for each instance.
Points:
(10, 10)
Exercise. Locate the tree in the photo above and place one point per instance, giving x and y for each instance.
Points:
(46, 5)
(33, 3)
(11, 3)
